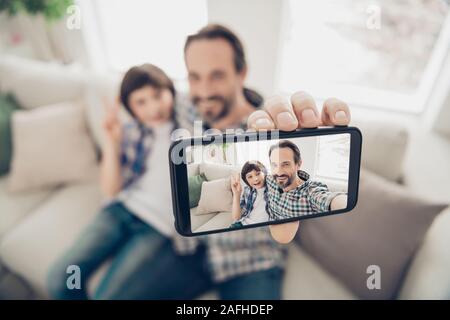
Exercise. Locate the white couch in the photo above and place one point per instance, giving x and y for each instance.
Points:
(214, 220)
(36, 227)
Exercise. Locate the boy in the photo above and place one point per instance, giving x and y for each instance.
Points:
(250, 208)
(138, 219)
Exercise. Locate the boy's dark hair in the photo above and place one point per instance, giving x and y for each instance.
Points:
(217, 31)
(249, 166)
(140, 76)
(290, 145)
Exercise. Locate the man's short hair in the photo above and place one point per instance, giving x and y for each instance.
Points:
(217, 31)
(290, 145)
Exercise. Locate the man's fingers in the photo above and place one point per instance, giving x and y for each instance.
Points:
(335, 113)
(260, 120)
(299, 112)
(305, 110)
(280, 110)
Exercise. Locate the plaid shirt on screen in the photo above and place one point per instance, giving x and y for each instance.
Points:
(310, 197)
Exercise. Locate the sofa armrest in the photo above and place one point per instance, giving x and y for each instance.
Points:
(429, 273)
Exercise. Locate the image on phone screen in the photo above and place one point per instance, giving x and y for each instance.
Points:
(234, 185)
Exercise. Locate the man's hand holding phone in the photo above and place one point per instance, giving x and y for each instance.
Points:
(287, 115)
(299, 174)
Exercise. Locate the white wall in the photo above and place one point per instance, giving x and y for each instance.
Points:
(257, 23)
(308, 151)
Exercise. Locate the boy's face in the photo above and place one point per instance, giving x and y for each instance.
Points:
(151, 106)
(255, 179)
(213, 79)
(283, 166)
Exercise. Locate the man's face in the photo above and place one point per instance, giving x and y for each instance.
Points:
(213, 80)
(284, 169)
(151, 106)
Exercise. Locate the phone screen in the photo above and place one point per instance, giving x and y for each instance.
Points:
(248, 183)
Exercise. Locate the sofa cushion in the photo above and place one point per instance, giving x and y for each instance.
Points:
(36, 83)
(305, 278)
(221, 220)
(215, 171)
(7, 106)
(14, 206)
(428, 276)
(51, 147)
(195, 188)
(34, 245)
(215, 196)
(385, 229)
(384, 146)
(199, 220)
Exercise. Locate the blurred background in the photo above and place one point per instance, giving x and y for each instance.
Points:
(390, 60)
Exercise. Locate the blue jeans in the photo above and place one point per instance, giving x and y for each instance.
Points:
(115, 233)
(145, 265)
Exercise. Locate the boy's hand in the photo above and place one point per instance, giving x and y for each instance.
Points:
(299, 112)
(112, 126)
(236, 187)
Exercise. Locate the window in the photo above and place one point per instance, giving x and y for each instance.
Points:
(255, 150)
(372, 53)
(333, 156)
(138, 31)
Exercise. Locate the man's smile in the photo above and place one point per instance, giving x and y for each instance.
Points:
(282, 177)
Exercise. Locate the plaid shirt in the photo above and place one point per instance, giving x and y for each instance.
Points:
(230, 254)
(234, 253)
(136, 144)
(310, 197)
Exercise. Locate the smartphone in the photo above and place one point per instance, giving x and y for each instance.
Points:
(231, 181)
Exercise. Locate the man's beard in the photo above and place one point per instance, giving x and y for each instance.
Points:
(288, 182)
(208, 116)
